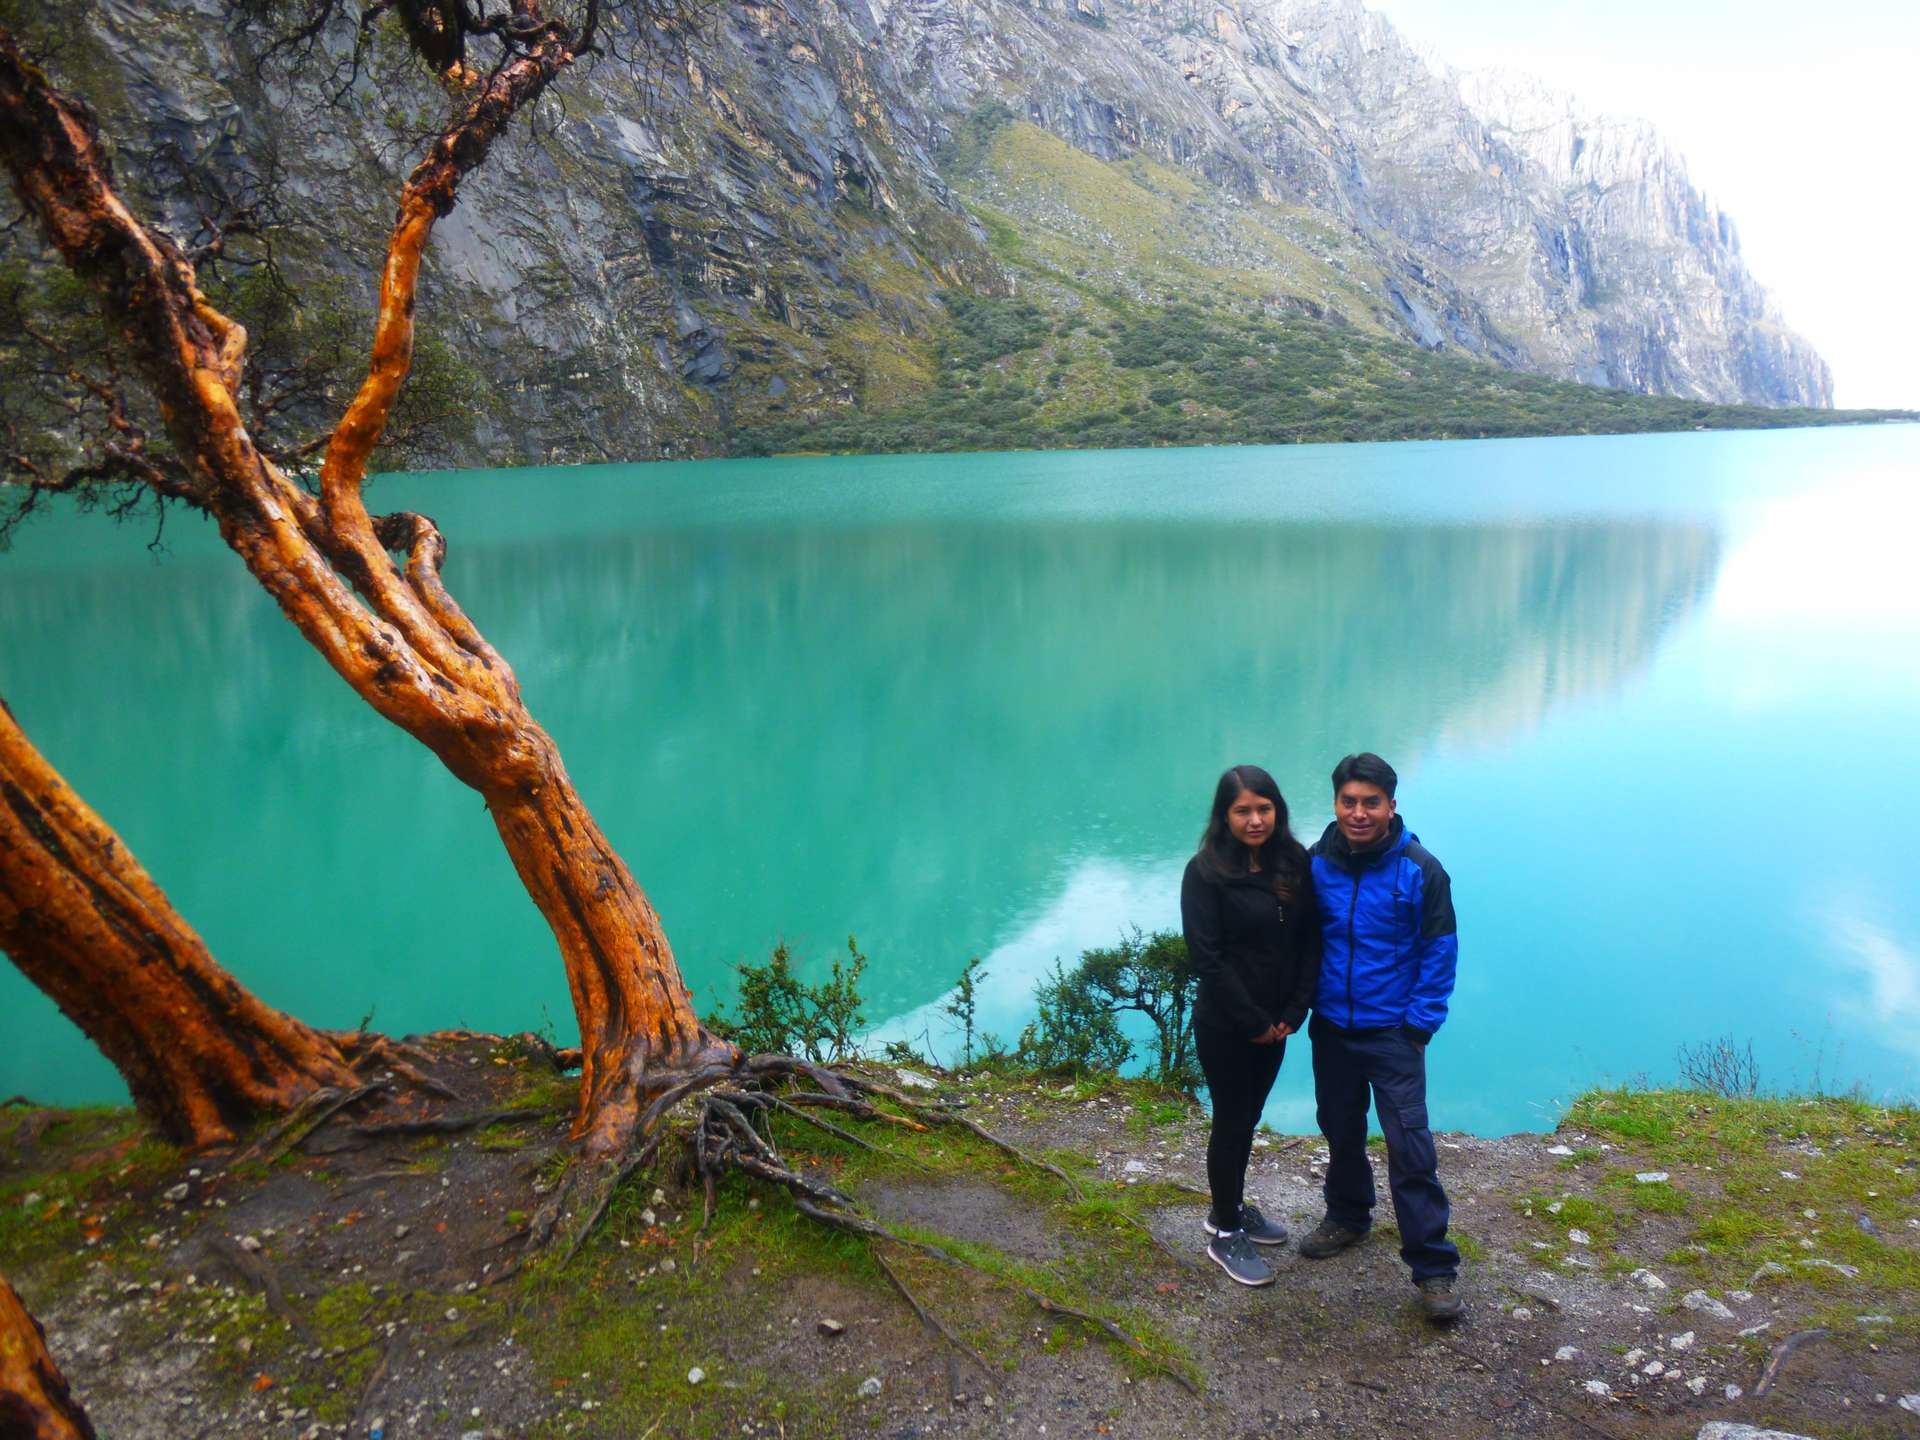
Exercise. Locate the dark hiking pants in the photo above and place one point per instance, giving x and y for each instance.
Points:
(1239, 1076)
(1346, 1064)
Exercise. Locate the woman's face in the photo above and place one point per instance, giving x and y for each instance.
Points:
(1250, 817)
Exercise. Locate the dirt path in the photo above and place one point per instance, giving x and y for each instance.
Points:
(346, 1289)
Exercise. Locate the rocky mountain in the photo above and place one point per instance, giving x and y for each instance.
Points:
(763, 222)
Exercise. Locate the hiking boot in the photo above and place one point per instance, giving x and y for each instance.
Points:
(1438, 1301)
(1329, 1237)
(1233, 1252)
(1260, 1230)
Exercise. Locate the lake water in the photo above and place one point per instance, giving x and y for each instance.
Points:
(1655, 702)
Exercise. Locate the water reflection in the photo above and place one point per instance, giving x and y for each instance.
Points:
(920, 733)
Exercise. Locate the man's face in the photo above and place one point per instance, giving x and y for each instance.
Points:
(1363, 811)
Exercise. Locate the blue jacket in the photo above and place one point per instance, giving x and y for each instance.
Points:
(1386, 916)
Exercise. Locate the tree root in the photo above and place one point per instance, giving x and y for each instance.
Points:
(450, 1124)
(368, 1050)
(257, 1273)
(873, 1230)
(306, 1117)
(725, 1138)
(544, 1050)
(1779, 1357)
(938, 1327)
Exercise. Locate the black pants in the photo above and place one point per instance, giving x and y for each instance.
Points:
(1346, 1063)
(1239, 1075)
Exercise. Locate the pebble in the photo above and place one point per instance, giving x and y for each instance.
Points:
(1647, 1280)
(1698, 1384)
(248, 1243)
(1134, 1167)
(1579, 1237)
(869, 1387)
(1655, 1367)
(175, 1194)
(1753, 1330)
(1706, 1305)
(829, 1326)
(1788, 1175)
(1566, 1150)
(1874, 1319)
(1865, 1222)
(400, 1232)
(1520, 1312)
(1634, 1356)
(1909, 1403)
(1733, 1392)
(1728, 1430)
(1565, 1353)
(1816, 1263)
(696, 1375)
(1599, 1388)
(669, 1265)
(1651, 1177)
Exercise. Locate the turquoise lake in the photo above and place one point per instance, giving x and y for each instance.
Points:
(1655, 703)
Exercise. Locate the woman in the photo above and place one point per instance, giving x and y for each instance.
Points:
(1246, 905)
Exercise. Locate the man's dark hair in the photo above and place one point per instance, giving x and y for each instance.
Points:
(1369, 769)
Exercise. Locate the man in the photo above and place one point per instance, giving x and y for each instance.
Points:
(1386, 911)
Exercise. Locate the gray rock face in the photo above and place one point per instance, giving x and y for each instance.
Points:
(758, 224)
(1507, 221)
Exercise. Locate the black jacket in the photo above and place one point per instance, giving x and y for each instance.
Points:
(1257, 960)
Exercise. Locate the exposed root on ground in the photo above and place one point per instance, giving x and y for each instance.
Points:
(727, 1100)
(937, 1327)
(1779, 1357)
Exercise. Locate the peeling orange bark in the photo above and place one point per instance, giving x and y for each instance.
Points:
(35, 1403)
(394, 634)
(85, 923)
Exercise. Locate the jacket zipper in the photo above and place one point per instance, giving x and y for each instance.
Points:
(1352, 905)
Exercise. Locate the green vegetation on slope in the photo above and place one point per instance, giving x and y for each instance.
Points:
(1150, 308)
(1022, 374)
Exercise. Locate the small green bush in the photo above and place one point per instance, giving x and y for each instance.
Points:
(782, 1015)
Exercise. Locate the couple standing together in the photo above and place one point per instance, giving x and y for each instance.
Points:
(1359, 928)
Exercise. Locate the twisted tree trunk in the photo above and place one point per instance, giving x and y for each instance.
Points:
(86, 923)
(401, 641)
(35, 1403)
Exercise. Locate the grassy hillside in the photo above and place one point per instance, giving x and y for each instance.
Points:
(1149, 308)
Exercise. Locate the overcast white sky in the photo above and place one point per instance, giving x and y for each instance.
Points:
(1801, 121)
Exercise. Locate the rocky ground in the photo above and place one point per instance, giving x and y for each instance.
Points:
(1663, 1264)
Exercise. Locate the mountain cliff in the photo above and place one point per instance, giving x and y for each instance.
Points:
(771, 224)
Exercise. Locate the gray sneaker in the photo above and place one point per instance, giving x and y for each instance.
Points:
(1260, 1230)
(1329, 1237)
(1233, 1252)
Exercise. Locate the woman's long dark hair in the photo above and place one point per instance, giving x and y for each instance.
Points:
(1281, 856)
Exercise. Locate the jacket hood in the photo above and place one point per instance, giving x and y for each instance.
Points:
(1333, 844)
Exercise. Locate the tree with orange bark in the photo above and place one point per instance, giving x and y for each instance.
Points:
(35, 1403)
(201, 1055)
(388, 627)
(393, 632)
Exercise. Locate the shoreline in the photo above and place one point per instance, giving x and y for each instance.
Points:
(349, 1281)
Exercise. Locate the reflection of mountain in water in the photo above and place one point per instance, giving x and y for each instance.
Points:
(918, 726)
(907, 732)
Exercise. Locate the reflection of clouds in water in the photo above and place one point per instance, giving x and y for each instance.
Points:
(1891, 1004)
(1812, 559)
(1102, 900)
